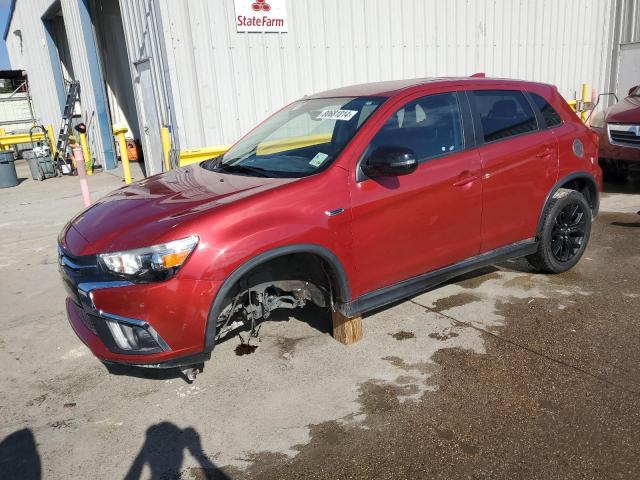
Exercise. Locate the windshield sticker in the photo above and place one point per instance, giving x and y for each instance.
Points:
(318, 159)
(344, 115)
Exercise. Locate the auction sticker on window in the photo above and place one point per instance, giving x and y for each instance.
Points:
(344, 115)
(318, 159)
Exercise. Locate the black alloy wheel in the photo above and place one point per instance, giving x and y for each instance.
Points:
(564, 233)
(568, 232)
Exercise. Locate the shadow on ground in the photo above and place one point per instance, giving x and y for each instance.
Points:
(19, 458)
(163, 453)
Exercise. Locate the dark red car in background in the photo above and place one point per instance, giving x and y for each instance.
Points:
(619, 131)
(349, 199)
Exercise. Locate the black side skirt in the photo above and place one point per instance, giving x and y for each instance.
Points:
(415, 285)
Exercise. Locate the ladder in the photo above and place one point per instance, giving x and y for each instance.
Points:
(65, 130)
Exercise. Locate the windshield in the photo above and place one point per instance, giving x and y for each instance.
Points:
(300, 140)
(636, 93)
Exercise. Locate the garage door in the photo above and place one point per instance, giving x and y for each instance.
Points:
(628, 68)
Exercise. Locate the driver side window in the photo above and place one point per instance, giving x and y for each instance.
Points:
(429, 126)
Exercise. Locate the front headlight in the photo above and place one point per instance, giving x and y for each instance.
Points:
(598, 119)
(155, 263)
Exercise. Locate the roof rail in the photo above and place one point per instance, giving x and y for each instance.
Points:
(479, 75)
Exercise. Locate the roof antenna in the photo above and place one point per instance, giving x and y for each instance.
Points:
(479, 75)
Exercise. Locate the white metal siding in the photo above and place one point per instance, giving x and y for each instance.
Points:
(212, 84)
(225, 82)
(28, 51)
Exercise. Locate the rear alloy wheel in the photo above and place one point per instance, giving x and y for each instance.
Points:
(565, 233)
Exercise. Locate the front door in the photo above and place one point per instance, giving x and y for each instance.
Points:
(407, 225)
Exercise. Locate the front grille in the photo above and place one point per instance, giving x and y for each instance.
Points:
(628, 135)
(87, 319)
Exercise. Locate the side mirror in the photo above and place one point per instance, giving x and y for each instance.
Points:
(389, 161)
(633, 89)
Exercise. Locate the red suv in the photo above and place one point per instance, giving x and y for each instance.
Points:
(349, 199)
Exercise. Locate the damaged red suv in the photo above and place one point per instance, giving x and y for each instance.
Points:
(349, 199)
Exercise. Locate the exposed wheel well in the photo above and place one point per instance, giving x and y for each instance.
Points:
(287, 277)
(302, 266)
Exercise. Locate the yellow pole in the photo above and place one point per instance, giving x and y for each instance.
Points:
(585, 98)
(88, 161)
(52, 140)
(124, 157)
(166, 147)
(3, 132)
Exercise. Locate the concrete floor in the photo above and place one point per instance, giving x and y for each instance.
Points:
(501, 374)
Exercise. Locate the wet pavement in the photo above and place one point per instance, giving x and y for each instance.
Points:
(501, 374)
(556, 395)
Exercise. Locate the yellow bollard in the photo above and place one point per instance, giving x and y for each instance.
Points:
(119, 132)
(52, 140)
(88, 161)
(166, 147)
(585, 99)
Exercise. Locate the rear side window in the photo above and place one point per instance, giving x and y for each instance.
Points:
(504, 113)
(551, 117)
(430, 126)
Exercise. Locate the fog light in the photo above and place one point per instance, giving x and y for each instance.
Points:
(134, 338)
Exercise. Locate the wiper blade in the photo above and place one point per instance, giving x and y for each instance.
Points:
(212, 163)
(260, 172)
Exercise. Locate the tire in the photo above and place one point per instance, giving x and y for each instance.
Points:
(565, 232)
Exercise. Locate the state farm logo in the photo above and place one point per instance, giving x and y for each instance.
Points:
(261, 15)
(260, 5)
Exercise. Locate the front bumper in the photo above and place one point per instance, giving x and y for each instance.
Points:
(171, 315)
(623, 149)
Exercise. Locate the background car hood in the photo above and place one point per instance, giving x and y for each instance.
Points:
(625, 111)
(141, 213)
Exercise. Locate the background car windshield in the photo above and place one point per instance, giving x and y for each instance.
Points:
(300, 140)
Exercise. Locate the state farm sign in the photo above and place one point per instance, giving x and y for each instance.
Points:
(261, 16)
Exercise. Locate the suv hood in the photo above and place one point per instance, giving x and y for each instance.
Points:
(141, 213)
(625, 111)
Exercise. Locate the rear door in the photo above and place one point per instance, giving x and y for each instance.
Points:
(519, 164)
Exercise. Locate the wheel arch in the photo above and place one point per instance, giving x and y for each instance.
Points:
(339, 280)
(582, 182)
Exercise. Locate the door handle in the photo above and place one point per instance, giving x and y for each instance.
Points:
(465, 181)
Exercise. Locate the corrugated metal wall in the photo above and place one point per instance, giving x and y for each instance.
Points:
(211, 84)
(28, 51)
(145, 45)
(625, 28)
(629, 12)
(225, 82)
